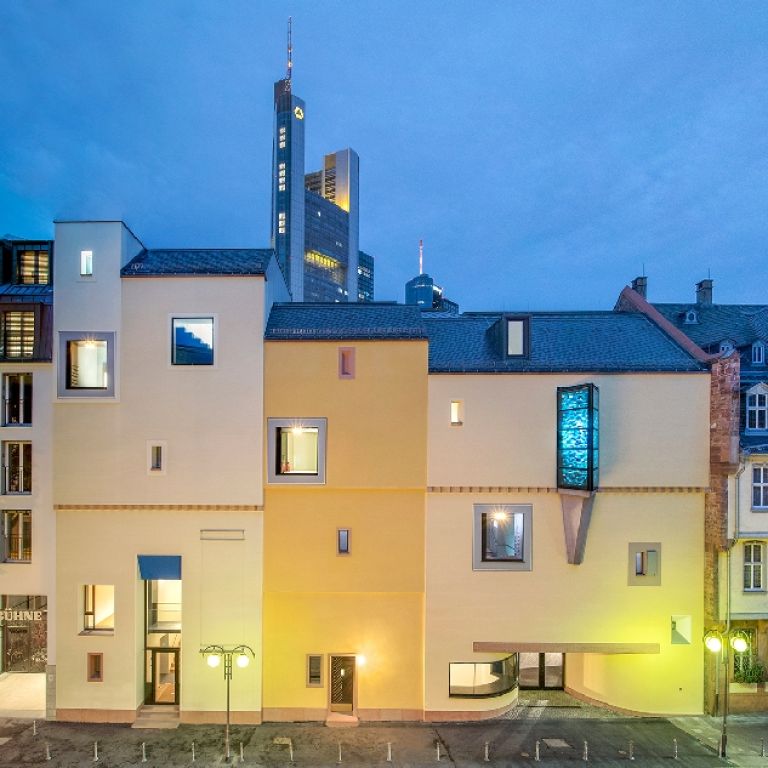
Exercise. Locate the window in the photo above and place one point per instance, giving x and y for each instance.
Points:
(482, 678)
(315, 670)
(760, 487)
(457, 413)
(86, 364)
(577, 437)
(95, 667)
(17, 399)
(644, 567)
(98, 608)
(296, 450)
(17, 467)
(726, 347)
(86, 263)
(691, 317)
(17, 536)
(192, 341)
(753, 566)
(757, 408)
(156, 457)
(342, 541)
(502, 537)
(33, 266)
(743, 662)
(516, 336)
(17, 334)
(346, 362)
(758, 353)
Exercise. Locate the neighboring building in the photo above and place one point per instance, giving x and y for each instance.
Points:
(422, 291)
(27, 530)
(591, 581)
(158, 413)
(315, 217)
(365, 280)
(734, 337)
(344, 512)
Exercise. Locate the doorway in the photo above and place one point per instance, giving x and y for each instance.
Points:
(542, 671)
(342, 684)
(163, 675)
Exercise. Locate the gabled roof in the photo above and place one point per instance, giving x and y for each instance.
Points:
(741, 323)
(26, 294)
(365, 320)
(559, 341)
(161, 262)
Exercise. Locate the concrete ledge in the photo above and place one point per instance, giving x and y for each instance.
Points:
(95, 715)
(192, 717)
(454, 716)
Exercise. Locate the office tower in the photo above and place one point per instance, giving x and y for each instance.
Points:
(365, 267)
(425, 293)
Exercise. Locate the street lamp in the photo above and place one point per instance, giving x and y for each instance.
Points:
(213, 654)
(714, 641)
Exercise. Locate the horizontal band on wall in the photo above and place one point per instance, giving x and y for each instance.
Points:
(540, 489)
(527, 647)
(163, 507)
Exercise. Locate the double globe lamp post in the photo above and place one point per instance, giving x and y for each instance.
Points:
(717, 642)
(242, 655)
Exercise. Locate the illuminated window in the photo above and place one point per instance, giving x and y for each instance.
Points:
(315, 670)
(457, 413)
(86, 263)
(192, 341)
(342, 541)
(481, 679)
(754, 558)
(17, 399)
(17, 334)
(33, 266)
(86, 364)
(757, 408)
(502, 537)
(577, 437)
(17, 536)
(17, 467)
(98, 608)
(346, 362)
(281, 188)
(296, 451)
(644, 569)
(760, 486)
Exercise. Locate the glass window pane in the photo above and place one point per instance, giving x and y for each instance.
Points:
(87, 364)
(297, 450)
(502, 535)
(193, 341)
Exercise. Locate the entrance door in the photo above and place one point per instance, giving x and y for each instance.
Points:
(163, 675)
(342, 683)
(17, 648)
(542, 670)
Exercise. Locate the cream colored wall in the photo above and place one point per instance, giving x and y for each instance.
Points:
(210, 417)
(560, 603)
(221, 603)
(654, 430)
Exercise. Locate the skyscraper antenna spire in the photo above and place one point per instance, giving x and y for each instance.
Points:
(421, 257)
(290, 52)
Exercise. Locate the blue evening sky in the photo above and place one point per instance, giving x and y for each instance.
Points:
(544, 151)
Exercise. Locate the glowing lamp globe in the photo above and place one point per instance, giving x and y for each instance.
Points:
(739, 644)
(214, 660)
(713, 643)
(242, 660)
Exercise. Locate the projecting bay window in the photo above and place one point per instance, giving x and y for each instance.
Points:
(17, 334)
(17, 536)
(577, 437)
(17, 399)
(754, 559)
(17, 467)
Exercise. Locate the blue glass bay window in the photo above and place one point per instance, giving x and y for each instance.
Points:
(577, 437)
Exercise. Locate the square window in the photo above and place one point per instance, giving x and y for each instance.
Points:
(86, 263)
(502, 537)
(17, 536)
(457, 413)
(17, 399)
(314, 670)
(342, 541)
(644, 567)
(346, 362)
(33, 266)
(296, 451)
(95, 667)
(98, 608)
(192, 341)
(17, 467)
(86, 364)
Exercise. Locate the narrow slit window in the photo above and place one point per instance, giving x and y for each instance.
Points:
(457, 413)
(346, 362)
(342, 541)
(17, 399)
(314, 670)
(156, 457)
(86, 263)
(95, 667)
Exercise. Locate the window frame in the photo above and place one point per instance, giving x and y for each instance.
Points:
(26, 341)
(457, 413)
(210, 316)
(26, 534)
(18, 276)
(309, 677)
(274, 427)
(343, 542)
(760, 486)
(65, 392)
(347, 362)
(478, 537)
(23, 471)
(152, 447)
(758, 391)
(95, 667)
(86, 264)
(25, 385)
(641, 550)
(525, 333)
(758, 353)
(754, 566)
(88, 610)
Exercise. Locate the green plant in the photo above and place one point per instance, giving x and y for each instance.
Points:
(750, 671)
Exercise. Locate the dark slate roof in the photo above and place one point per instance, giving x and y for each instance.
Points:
(365, 320)
(161, 262)
(559, 341)
(754, 443)
(40, 294)
(741, 323)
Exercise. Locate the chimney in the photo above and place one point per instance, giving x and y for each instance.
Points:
(704, 293)
(640, 285)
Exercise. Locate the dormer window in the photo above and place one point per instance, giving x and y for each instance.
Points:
(758, 353)
(726, 347)
(757, 408)
(691, 317)
(516, 332)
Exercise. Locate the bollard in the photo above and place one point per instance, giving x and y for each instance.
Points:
(339, 751)
(537, 756)
(290, 750)
(437, 747)
(585, 756)
(631, 749)
(486, 756)
(34, 727)
(674, 741)
(762, 747)
(95, 751)
(193, 751)
(389, 751)
(143, 752)
(47, 752)
(242, 757)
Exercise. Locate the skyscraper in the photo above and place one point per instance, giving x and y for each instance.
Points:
(315, 224)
